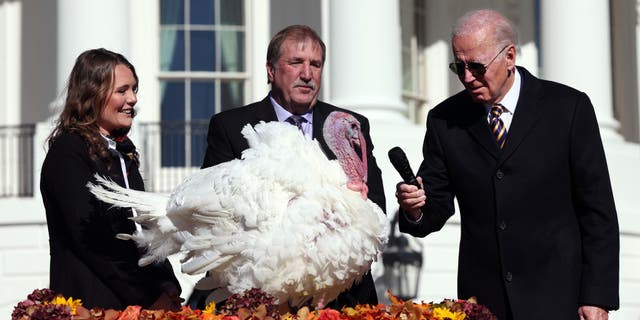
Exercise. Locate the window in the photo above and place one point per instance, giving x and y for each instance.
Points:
(413, 17)
(202, 72)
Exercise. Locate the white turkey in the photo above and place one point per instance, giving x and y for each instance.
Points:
(283, 218)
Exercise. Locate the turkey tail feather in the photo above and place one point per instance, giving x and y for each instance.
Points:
(110, 192)
(158, 237)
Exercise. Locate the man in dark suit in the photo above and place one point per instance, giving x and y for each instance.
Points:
(524, 159)
(295, 59)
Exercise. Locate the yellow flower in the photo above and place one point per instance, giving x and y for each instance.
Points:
(446, 314)
(73, 304)
(211, 308)
(351, 312)
(287, 316)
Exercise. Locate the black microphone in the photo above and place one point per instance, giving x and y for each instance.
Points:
(400, 162)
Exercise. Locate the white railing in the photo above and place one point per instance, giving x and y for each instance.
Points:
(169, 151)
(16, 160)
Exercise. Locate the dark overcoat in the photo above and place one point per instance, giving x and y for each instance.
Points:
(87, 261)
(539, 230)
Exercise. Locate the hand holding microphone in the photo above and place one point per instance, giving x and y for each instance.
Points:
(409, 199)
(399, 161)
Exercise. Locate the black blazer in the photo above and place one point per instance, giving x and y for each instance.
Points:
(539, 229)
(225, 143)
(87, 261)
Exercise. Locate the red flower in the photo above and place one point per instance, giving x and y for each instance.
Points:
(130, 313)
(329, 314)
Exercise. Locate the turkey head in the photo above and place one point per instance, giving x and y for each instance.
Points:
(344, 137)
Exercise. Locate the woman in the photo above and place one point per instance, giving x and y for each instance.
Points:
(87, 261)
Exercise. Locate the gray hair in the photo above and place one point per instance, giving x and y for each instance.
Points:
(503, 30)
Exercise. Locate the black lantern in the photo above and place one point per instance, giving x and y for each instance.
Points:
(402, 265)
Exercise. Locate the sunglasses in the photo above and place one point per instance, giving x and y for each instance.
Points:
(477, 68)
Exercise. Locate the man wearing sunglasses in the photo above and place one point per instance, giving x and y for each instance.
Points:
(525, 161)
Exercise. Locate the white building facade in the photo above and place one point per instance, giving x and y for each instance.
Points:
(386, 59)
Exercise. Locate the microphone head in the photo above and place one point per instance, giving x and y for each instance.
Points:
(399, 161)
(395, 151)
(398, 158)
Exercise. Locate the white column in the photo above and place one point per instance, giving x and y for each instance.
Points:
(10, 31)
(438, 54)
(90, 24)
(259, 22)
(575, 50)
(364, 57)
(142, 51)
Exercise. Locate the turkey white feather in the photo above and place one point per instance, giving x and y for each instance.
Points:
(283, 218)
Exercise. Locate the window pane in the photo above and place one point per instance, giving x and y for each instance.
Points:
(172, 126)
(198, 141)
(232, 48)
(196, 63)
(172, 103)
(231, 94)
(202, 51)
(202, 12)
(171, 11)
(202, 108)
(232, 12)
(202, 100)
(171, 50)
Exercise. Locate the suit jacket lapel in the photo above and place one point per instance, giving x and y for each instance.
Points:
(479, 130)
(528, 113)
(264, 111)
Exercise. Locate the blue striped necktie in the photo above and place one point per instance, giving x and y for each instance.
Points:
(496, 125)
(297, 121)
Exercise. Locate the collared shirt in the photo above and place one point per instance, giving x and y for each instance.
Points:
(509, 102)
(111, 145)
(283, 115)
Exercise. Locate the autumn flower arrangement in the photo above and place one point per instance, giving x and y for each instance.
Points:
(254, 304)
